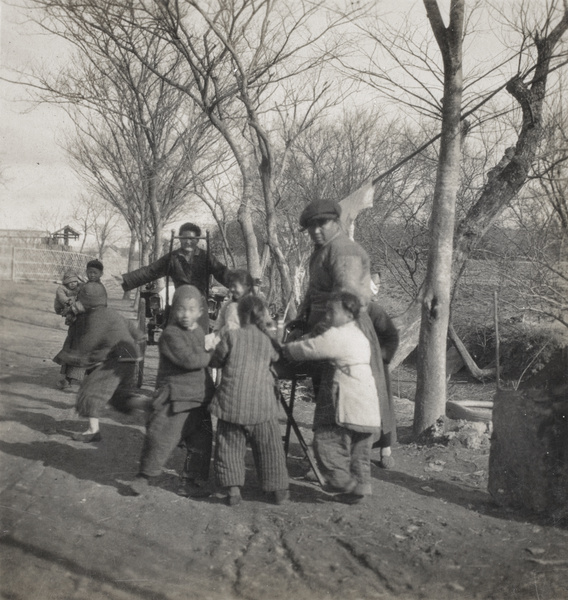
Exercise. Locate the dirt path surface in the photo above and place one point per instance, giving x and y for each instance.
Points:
(71, 531)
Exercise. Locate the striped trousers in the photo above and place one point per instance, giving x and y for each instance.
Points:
(267, 450)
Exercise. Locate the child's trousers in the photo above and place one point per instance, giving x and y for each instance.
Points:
(164, 431)
(110, 382)
(344, 458)
(267, 449)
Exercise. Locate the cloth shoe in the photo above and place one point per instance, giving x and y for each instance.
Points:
(139, 402)
(192, 488)
(281, 496)
(386, 462)
(349, 498)
(87, 437)
(139, 485)
(234, 496)
(63, 384)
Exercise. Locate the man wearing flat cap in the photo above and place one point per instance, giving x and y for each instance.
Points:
(339, 264)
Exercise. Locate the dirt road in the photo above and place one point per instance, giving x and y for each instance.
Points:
(71, 531)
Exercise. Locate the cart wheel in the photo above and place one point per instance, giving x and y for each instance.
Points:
(142, 346)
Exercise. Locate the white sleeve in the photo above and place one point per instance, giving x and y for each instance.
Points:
(325, 346)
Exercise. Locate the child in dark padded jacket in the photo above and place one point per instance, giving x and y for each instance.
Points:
(246, 406)
(107, 346)
(183, 391)
(65, 296)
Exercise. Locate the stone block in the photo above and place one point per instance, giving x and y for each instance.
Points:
(528, 460)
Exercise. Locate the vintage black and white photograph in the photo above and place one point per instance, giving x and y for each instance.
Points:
(284, 300)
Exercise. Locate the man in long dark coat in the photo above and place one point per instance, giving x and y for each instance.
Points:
(339, 264)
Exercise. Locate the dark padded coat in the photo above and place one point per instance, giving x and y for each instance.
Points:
(193, 272)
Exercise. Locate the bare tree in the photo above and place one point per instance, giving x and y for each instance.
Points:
(537, 52)
(331, 160)
(243, 58)
(431, 371)
(82, 216)
(540, 38)
(138, 139)
(538, 277)
(98, 219)
(50, 219)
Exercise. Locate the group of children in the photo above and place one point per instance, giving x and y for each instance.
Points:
(245, 402)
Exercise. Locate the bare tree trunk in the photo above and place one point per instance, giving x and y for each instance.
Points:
(265, 169)
(245, 220)
(504, 185)
(408, 325)
(144, 253)
(431, 372)
(132, 260)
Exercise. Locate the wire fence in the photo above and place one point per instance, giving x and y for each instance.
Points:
(40, 264)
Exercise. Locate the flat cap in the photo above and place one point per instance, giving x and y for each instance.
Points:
(319, 209)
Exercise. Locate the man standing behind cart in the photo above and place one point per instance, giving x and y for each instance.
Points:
(338, 264)
(188, 265)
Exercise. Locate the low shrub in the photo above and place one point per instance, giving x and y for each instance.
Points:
(524, 348)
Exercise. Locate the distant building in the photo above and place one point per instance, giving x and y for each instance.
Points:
(65, 235)
(36, 237)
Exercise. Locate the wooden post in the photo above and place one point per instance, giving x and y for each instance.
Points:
(496, 320)
(13, 265)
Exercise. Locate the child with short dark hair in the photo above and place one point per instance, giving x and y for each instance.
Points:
(347, 405)
(183, 391)
(95, 270)
(246, 406)
(240, 284)
(107, 346)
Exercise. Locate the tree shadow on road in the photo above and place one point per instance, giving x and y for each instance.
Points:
(69, 404)
(107, 462)
(475, 500)
(63, 562)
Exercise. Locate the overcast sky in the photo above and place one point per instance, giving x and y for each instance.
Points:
(34, 167)
(35, 170)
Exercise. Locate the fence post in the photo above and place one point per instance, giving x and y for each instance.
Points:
(497, 343)
(13, 264)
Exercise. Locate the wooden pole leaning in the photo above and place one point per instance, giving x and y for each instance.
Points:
(307, 450)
